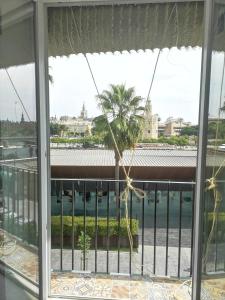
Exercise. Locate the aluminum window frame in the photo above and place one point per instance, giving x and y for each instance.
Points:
(202, 149)
(44, 151)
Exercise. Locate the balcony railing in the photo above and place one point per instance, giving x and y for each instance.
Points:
(161, 225)
(89, 231)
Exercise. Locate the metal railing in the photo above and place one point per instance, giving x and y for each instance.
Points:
(19, 203)
(163, 222)
(89, 227)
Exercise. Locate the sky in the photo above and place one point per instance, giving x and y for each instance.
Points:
(23, 78)
(175, 90)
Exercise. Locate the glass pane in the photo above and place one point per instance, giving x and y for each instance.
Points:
(214, 214)
(97, 241)
(18, 147)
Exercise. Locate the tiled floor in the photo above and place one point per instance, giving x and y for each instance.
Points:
(110, 287)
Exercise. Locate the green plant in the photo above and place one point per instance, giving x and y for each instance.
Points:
(84, 243)
(103, 226)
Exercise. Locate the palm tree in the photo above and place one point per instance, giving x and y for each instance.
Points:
(122, 111)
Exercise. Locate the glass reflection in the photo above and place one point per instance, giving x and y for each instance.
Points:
(214, 214)
(18, 144)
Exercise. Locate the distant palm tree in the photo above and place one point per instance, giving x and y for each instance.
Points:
(122, 110)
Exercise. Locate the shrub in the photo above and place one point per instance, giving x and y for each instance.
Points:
(90, 226)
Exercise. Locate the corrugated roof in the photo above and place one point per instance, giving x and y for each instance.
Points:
(142, 158)
(110, 28)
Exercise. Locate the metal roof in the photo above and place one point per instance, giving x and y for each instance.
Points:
(142, 158)
(124, 27)
(90, 28)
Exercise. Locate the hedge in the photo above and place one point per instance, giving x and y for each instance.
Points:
(90, 226)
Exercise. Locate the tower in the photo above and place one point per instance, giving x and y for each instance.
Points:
(22, 118)
(150, 129)
(83, 113)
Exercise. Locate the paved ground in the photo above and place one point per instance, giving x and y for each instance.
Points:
(173, 237)
(136, 261)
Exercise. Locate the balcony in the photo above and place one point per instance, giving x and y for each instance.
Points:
(90, 249)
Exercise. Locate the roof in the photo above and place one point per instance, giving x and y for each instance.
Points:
(91, 28)
(124, 27)
(142, 158)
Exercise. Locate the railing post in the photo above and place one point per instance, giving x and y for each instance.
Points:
(167, 227)
(73, 207)
(107, 257)
(155, 213)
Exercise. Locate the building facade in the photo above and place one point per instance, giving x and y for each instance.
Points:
(81, 125)
(172, 127)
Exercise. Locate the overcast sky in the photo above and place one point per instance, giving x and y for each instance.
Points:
(175, 91)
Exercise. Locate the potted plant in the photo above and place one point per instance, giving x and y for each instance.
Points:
(84, 244)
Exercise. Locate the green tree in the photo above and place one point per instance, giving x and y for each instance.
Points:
(123, 112)
(56, 129)
(190, 130)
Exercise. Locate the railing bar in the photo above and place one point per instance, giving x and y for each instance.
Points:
(167, 228)
(61, 229)
(84, 252)
(124, 181)
(216, 245)
(205, 228)
(13, 199)
(17, 200)
(28, 202)
(23, 202)
(131, 225)
(73, 207)
(118, 199)
(34, 201)
(3, 197)
(192, 228)
(155, 211)
(96, 226)
(180, 224)
(224, 259)
(142, 232)
(8, 196)
(107, 257)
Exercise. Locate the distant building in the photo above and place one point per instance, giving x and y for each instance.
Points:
(172, 127)
(83, 114)
(77, 126)
(150, 129)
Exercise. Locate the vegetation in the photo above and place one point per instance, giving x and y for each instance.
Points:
(84, 243)
(174, 140)
(97, 140)
(18, 129)
(90, 226)
(57, 129)
(212, 129)
(189, 131)
(121, 109)
(89, 140)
